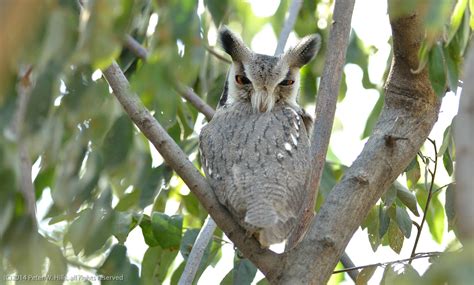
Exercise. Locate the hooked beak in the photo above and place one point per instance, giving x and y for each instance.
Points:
(263, 101)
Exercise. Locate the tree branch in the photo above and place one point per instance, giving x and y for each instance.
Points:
(26, 184)
(264, 259)
(416, 256)
(135, 47)
(428, 200)
(288, 26)
(410, 111)
(326, 107)
(190, 96)
(216, 54)
(205, 235)
(347, 262)
(464, 136)
(195, 257)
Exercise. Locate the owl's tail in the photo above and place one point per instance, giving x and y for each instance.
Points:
(261, 215)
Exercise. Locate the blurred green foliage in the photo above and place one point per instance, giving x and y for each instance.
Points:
(96, 177)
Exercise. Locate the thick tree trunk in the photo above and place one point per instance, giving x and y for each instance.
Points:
(410, 111)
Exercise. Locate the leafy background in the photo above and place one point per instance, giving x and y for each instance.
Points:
(97, 179)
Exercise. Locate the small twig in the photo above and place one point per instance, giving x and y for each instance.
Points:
(428, 200)
(417, 256)
(197, 252)
(442, 187)
(216, 54)
(221, 240)
(288, 26)
(26, 184)
(347, 262)
(135, 47)
(188, 94)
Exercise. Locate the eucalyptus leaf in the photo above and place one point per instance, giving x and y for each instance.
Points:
(167, 230)
(365, 274)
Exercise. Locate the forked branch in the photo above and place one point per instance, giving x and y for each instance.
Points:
(410, 111)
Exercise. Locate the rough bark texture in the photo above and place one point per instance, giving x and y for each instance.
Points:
(326, 108)
(464, 137)
(410, 111)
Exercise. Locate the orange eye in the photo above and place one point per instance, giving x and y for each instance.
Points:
(242, 80)
(287, 82)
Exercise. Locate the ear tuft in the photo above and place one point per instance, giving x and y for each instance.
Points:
(232, 44)
(304, 51)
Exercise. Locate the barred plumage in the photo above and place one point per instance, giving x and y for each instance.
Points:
(255, 150)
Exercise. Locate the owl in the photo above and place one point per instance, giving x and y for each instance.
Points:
(255, 150)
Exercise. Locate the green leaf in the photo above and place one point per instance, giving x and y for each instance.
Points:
(79, 232)
(128, 201)
(123, 225)
(447, 138)
(448, 163)
(384, 221)
(373, 117)
(244, 272)
(471, 8)
(156, 263)
(389, 275)
(187, 242)
(40, 99)
(372, 224)
(365, 274)
(263, 281)
(151, 180)
(435, 214)
(437, 70)
(118, 268)
(167, 230)
(101, 32)
(218, 9)
(389, 197)
(407, 198)
(147, 232)
(117, 142)
(395, 237)
(404, 222)
(228, 278)
(450, 208)
(413, 173)
(358, 53)
(438, 12)
(456, 18)
(177, 273)
(154, 83)
(453, 64)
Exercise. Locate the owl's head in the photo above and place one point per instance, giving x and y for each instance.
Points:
(265, 80)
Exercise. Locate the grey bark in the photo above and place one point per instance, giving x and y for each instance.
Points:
(288, 26)
(409, 112)
(464, 138)
(326, 107)
(197, 252)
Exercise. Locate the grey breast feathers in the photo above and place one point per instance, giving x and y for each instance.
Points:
(257, 164)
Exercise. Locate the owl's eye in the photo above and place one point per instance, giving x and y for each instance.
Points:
(287, 82)
(242, 80)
